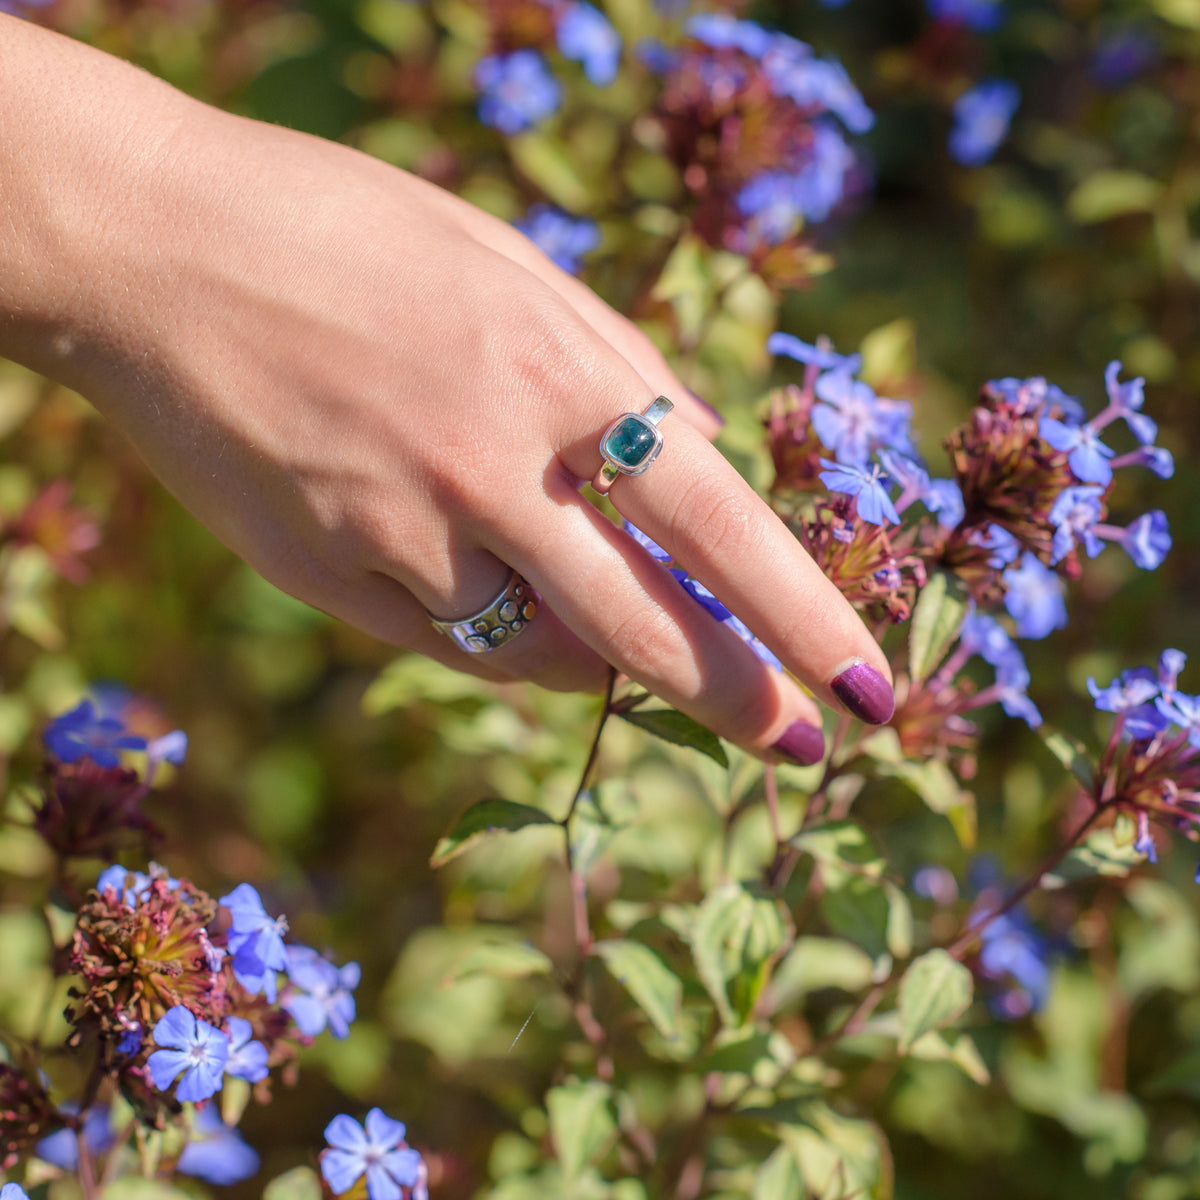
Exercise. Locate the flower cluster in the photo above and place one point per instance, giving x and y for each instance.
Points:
(181, 992)
(90, 804)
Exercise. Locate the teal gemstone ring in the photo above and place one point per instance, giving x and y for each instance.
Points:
(631, 443)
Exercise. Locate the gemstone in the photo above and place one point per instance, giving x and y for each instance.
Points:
(508, 611)
(630, 443)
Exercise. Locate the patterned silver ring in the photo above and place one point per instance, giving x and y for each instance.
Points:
(631, 443)
(498, 623)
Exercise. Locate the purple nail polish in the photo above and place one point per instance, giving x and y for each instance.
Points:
(802, 743)
(865, 693)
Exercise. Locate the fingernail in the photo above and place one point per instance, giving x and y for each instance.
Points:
(802, 743)
(865, 693)
(704, 404)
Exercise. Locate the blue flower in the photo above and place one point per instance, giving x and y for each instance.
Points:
(564, 239)
(981, 15)
(1014, 952)
(1036, 395)
(193, 1047)
(648, 544)
(1123, 55)
(217, 1152)
(1012, 680)
(1147, 540)
(255, 941)
(1127, 399)
(873, 503)
(719, 31)
(1087, 455)
(518, 90)
(1184, 711)
(852, 421)
(985, 636)
(945, 498)
(85, 732)
(376, 1150)
(1034, 598)
(247, 1058)
(61, 1149)
(325, 994)
(825, 360)
(1144, 842)
(586, 36)
(981, 120)
(1004, 546)
(12, 1191)
(815, 84)
(1132, 694)
(1074, 515)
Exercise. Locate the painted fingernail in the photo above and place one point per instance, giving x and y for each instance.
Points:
(704, 404)
(802, 743)
(865, 693)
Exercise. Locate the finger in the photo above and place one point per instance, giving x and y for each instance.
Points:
(621, 334)
(635, 614)
(695, 504)
(544, 652)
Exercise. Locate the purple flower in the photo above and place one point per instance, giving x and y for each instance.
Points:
(586, 36)
(61, 1149)
(85, 732)
(255, 941)
(324, 995)
(562, 238)
(376, 1150)
(1087, 455)
(217, 1153)
(825, 360)
(193, 1047)
(981, 120)
(981, 15)
(1184, 711)
(518, 90)
(1034, 598)
(873, 503)
(1123, 55)
(247, 1058)
(1147, 539)
(1073, 515)
(852, 421)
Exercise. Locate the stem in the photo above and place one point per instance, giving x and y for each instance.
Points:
(771, 786)
(87, 1169)
(593, 754)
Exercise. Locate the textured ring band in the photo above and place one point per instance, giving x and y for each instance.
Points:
(631, 443)
(498, 623)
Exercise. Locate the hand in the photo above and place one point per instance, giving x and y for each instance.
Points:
(383, 399)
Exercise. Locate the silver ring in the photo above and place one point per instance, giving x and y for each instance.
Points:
(631, 443)
(497, 624)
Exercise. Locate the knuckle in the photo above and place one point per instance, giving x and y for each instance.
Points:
(711, 523)
(648, 644)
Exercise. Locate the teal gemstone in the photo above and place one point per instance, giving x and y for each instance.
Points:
(630, 443)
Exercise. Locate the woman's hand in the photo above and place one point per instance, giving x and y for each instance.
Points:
(383, 399)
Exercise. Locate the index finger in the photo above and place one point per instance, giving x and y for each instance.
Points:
(695, 504)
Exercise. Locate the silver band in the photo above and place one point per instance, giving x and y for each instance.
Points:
(631, 443)
(498, 623)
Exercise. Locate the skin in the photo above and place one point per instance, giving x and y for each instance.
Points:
(382, 398)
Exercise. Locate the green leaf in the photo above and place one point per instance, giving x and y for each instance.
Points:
(936, 619)
(546, 162)
(1109, 194)
(1185, 13)
(718, 933)
(1069, 751)
(679, 729)
(300, 1183)
(779, 1178)
(1103, 852)
(935, 991)
(964, 1054)
(838, 843)
(859, 910)
(501, 960)
(651, 983)
(739, 1052)
(581, 1122)
(487, 816)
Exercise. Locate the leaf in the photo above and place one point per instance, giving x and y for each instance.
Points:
(651, 983)
(936, 990)
(1069, 751)
(859, 911)
(740, 1053)
(779, 1178)
(1179, 12)
(718, 933)
(840, 842)
(964, 1054)
(679, 729)
(1103, 852)
(501, 960)
(936, 619)
(487, 816)
(581, 1121)
(547, 164)
(300, 1183)
(1109, 194)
